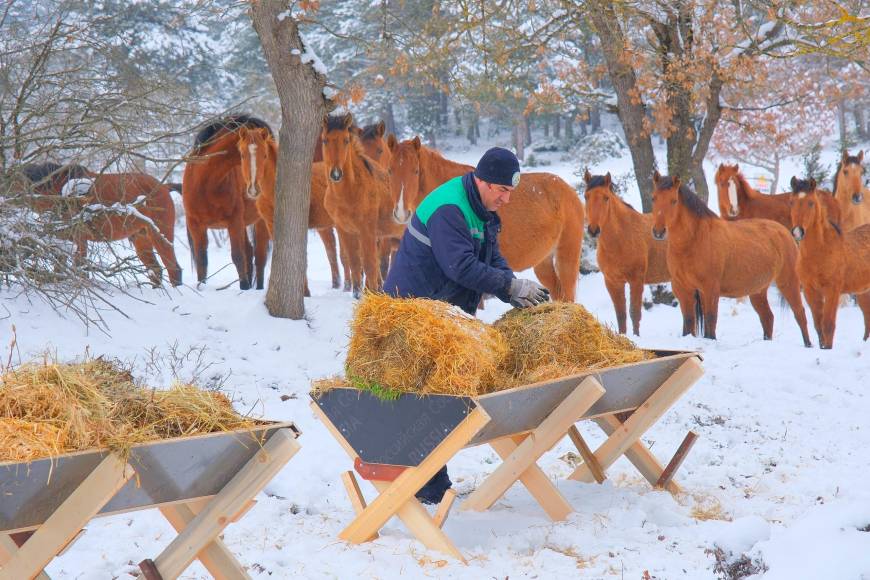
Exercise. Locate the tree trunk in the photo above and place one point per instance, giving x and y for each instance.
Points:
(594, 119)
(389, 117)
(557, 126)
(775, 182)
(841, 122)
(631, 113)
(569, 128)
(860, 127)
(303, 106)
(473, 132)
(521, 131)
(547, 126)
(527, 127)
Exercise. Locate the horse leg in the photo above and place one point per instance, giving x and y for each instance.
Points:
(145, 250)
(829, 315)
(816, 302)
(792, 294)
(239, 251)
(568, 260)
(368, 244)
(864, 305)
(546, 273)
(351, 256)
(635, 303)
(197, 235)
(327, 235)
(710, 309)
(616, 289)
(765, 314)
(345, 252)
(166, 250)
(261, 251)
(686, 299)
(249, 255)
(385, 249)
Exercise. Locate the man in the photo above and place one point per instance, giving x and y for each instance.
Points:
(450, 252)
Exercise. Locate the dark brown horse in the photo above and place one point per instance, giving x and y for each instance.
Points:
(109, 207)
(215, 196)
(738, 200)
(627, 252)
(542, 226)
(709, 257)
(850, 193)
(831, 261)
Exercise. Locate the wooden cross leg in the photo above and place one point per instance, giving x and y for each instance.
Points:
(396, 498)
(624, 438)
(520, 455)
(65, 523)
(198, 532)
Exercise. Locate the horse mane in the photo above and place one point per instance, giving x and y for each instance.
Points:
(850, 159)
(37, 172)
(803, 186)
(599, 181)
(337, 123)
(748, 190)
(229, 124)
(370, 131)
(688, 198)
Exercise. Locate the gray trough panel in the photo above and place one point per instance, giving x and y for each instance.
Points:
(523, 408)
(400, 432)
(167, 471)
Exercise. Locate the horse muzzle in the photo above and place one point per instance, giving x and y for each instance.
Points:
(594, 231)
(335, 174)
(797, 233)
(401, 216)
(858, 198)
(733, 212)
(660, 234)
(252, 192)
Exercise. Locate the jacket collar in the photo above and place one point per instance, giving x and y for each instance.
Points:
(474, 198)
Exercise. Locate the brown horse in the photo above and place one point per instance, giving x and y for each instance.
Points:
(215, 196)
(109, 207)
(739, 200)
(831, 261)
(850, 193)
(542, 226)
(709, 257)
(358, 199)
(627, 252)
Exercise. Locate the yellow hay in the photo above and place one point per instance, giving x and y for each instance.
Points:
(421, 346)
(48, 409)
(559, 339)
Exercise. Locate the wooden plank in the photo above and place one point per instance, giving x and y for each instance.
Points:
(215, 556)
(8, 547)
(643, 418)
(586, 454)
(402, 490)
(677, 459)
(246, 484)
(354, 493)
(539, 441)
(444, 508)
(418, 521)
(245, 509)
(72, 515)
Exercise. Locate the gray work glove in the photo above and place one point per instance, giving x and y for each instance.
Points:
(525, 293)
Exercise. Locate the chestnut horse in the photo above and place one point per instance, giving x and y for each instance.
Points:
(627, 252)
(831, 261)
(263, 146)
(709, 257)
(358, 200)
(215, 196)
(850, 193)
(107, 207)
(542, 226)
(739, 200)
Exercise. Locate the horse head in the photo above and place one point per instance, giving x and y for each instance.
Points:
(404, 177)
(337, 140)
(728, 187)
(809, 207)
(850, 177)
(256, 151)
(374, 144)
(599, 194)
(666, 201)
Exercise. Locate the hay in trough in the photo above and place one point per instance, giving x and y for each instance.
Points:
(49, 409)
(558, 339)
(420, 346)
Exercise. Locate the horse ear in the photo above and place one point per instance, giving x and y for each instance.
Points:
(417, 143)
(656, 177)
(812, 183)
(391, 142)
(607, 181)
(381, 128)
(794, 183)
(348, 120)
(845, 156)
(736, 167)
(587, 177)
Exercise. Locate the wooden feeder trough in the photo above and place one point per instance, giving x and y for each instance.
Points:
(200, 484)
(399, 445)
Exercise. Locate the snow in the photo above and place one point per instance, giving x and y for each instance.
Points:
(780, 466)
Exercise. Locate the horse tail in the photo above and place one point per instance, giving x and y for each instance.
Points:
(174, 187)
(252, 235)
(699, 315)
(190, 247)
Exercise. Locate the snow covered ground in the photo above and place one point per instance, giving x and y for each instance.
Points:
(779, 473)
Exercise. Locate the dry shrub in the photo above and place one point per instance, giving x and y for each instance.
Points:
(421, 346)
(559, 339)
(51, 408)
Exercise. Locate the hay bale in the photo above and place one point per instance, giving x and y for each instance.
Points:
(421, 346)
(559, 339)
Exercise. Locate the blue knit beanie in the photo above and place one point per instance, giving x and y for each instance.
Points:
(499, 166)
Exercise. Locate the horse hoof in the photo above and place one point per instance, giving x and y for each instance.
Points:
(244, 285)
(336, 285)
(357, 294)
(347, 287)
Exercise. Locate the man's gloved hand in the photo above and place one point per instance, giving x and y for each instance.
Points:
(526, 293)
